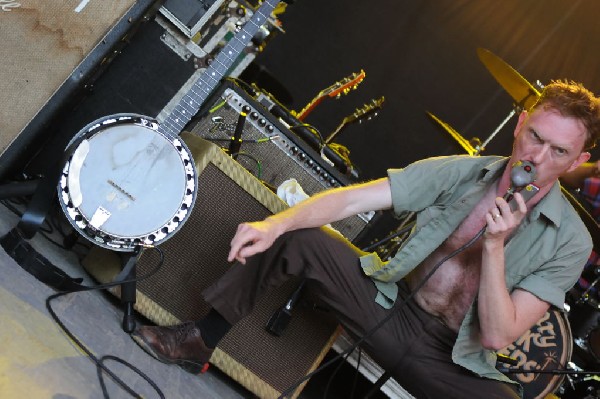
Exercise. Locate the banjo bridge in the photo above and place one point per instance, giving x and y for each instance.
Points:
(121, 190)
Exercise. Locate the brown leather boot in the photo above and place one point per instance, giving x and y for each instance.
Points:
(180, 344)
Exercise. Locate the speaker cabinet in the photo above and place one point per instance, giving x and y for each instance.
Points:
(270, 150)
(197, 256)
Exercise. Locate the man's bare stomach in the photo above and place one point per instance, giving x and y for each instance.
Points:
(449, 292)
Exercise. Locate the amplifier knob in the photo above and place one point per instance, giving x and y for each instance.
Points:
(310, 162)
(254, 115)
(270, 128)
(302, 156)
(262, 122)
(294, 150)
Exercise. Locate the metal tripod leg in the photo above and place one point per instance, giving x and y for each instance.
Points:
(128, 289)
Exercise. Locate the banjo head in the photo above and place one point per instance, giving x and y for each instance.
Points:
(126, 184)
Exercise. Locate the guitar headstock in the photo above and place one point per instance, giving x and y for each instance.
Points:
(344, 86)
(367, 111)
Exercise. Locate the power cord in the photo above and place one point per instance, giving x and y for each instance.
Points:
(341, 363)
(311, 129)
(100, 362)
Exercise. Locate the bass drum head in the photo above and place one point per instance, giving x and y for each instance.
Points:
(126, 184)
(547, 346)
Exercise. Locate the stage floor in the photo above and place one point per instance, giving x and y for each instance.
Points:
(38, 360)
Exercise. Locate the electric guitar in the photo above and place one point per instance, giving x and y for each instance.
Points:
(367, 111)
(334, 91)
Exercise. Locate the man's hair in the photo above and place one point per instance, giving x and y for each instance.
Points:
(573, 100)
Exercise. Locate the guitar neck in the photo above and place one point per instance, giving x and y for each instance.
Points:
(191, 102)
(334, 134)
(309, 107)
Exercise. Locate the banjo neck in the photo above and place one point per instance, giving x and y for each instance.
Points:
(191, 102)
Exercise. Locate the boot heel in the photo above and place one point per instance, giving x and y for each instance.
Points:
(194, 368)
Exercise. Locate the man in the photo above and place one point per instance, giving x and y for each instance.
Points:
(440, 343)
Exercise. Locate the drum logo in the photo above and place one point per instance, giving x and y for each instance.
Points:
(540, 348)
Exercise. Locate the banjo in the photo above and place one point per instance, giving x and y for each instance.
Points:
(129, 181)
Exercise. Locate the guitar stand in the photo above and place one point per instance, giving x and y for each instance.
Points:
(128, 289)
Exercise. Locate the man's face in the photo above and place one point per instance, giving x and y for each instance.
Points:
(552, 142)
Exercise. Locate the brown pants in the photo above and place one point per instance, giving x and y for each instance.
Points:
(415, 346)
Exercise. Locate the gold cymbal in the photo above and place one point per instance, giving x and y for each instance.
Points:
(524, 94)
(464, 143)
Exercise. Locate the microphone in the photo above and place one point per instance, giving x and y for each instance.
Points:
(236, 140)
(522, 176)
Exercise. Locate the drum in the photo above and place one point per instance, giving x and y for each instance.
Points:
(546, 346)
(587, 387)
(126, 183)
(584, 319)
(593, 343)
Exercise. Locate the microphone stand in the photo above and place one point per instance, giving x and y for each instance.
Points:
(554, 371)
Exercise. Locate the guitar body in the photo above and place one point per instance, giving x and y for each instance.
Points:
(126, 183)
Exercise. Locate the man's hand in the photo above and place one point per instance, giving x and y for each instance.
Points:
(252, 238)
(325, 207)
(501, 220)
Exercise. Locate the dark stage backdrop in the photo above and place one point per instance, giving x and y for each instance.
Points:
(421, 55)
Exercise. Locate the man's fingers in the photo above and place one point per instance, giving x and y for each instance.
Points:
(521, 203)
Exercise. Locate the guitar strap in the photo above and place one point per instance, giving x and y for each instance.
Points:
(37, 265)
(15, 244)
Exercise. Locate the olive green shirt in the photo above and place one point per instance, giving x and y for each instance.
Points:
(545, 255)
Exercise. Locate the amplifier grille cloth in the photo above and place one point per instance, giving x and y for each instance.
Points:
(197, 256)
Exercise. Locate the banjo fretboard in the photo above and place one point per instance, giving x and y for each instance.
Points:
(191, 102)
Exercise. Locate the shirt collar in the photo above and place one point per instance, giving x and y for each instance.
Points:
(493, 169)
(551, 206)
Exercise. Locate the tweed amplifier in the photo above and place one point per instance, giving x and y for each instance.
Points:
(196, 257)
(269, 149)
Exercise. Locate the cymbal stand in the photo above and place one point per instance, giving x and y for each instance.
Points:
(518, 108)
(479, 148)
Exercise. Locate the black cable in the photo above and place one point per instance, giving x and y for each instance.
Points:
(553, 371)
(356, 373)
(248, 88)
(389, 237)
(388, 317)
(135, 369)
(342, 361)
(311, 128)
(100, 362)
